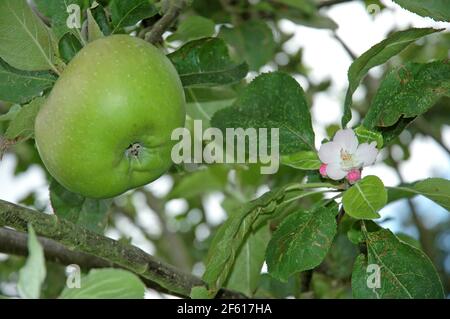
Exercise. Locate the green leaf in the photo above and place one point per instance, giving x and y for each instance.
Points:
(272, 100)
(377, 55)
(69, 45)
(231, 235)
(437, 9)
(341, 257)
(94, 31)
(22, 126)
(107, 284)
(21, 86)
(252, 40)
(32, 274)
(301, 242)
(270, 287)
(206, 62)
(99, 14)
(86, 212)
(304, 160)
(367, 136)
(202, 103)
(57, 12)
(200, 182)
(193, 28)
(130, 12)
(409, 240)
(436, 189)
(304, 12)
(315, 20)
(364, 199)
(407, 92)
(200, 292)
(27, 44)
(246, 272)
(11, 114)
(405, 271)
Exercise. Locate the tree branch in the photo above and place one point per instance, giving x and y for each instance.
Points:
(70, 243)
(172, 13)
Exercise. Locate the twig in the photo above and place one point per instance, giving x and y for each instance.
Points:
(155, 34)
(81, 240)
(345, 46)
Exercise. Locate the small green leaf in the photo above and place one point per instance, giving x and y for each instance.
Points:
(107, 284)
(86, 212)
(304, 160)
(367, 136)
(404, 271)
(252, 40)
(130, 12)
(407, 92)
(377, 55)
(439, 10)
(69, 45)
(272, 100)
(436, 189)
(22, 126)
(21, 86)
(246, 272)
(94, 31)
(364, 199)
(301, 242)
(206, 62)
(27, 44)
(193, 28)
(32, 275)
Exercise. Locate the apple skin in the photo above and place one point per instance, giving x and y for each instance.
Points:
(117, 92)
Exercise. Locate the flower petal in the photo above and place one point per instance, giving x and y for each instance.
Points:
(347, 139)
(366, 153)
(330, 153)
(334, 171)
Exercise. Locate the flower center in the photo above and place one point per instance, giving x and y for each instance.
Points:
(348, 161)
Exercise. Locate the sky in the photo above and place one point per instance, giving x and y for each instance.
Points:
(326, 59)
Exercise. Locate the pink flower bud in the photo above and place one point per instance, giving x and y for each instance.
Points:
(323, 170)
(353, 176)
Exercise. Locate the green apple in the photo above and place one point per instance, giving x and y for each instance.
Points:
(106, 125)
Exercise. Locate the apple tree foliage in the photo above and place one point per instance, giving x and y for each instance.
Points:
(318, 238)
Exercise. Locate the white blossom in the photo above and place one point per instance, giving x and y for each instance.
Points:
(345, 157)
